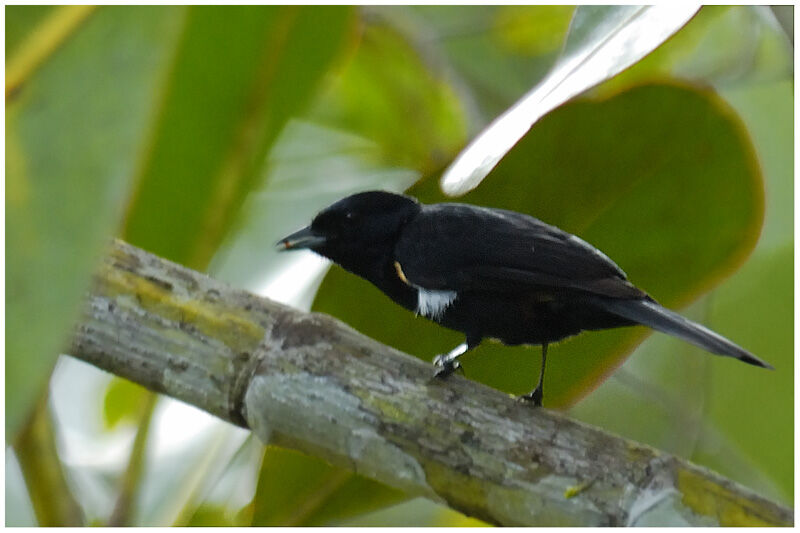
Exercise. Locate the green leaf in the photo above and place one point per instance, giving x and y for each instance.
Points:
(662, 178)
(754, 408)
(298, 490)
(484, 51)
(75, 124)
(532, 30)
(215, 516)
(20, 22)
(416, 512)
(355, 497)
(123, 402)
(602, 41)
(240, 72)
(386, 92)
(767, 110)
(757, 303)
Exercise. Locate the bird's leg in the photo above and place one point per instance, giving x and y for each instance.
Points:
(536, 394)
(447, 363)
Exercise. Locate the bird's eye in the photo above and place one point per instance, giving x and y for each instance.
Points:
(349, 216)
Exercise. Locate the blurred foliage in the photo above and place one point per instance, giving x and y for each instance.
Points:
(123, 402)
(470, 46)
(387, 82)
(532, 30)
(68, 175)
(298, 490)
(205, 133)
(757, 303)
(24, 22)
(44, 475)
(207, 146)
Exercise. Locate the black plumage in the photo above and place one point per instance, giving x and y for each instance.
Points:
(489, 273)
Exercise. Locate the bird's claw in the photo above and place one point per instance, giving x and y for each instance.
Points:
(445, 367)
(534, 397)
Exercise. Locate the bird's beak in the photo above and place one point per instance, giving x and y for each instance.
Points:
(305, 238)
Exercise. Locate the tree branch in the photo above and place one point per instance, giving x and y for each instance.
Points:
(309, 382)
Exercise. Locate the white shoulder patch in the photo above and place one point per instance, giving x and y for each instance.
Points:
(432, 304)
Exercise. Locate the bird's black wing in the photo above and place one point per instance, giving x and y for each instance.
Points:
(461, 247)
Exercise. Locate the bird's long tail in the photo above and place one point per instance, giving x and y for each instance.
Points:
(650, 313)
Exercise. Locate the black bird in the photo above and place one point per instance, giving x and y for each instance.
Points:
(489, 273)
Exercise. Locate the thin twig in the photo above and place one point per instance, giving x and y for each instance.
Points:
(129, 484)
(50, 494)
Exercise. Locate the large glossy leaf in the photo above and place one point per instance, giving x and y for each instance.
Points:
(602, 41)
(712, 413)
(240, 72)
(75, 124)
(661, 178)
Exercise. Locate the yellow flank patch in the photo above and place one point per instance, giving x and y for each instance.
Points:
(400, 274)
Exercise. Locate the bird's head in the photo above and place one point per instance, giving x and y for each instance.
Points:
(355, 228)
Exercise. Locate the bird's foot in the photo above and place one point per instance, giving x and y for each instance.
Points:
(445, 366)
(534, 397)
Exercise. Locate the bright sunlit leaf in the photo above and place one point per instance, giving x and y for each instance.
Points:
(602, 41)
